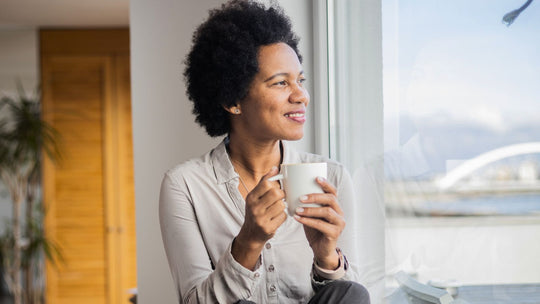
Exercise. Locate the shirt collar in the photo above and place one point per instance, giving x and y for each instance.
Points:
(224, 169)
(221, 162)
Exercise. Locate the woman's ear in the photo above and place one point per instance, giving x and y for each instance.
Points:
(233, 110)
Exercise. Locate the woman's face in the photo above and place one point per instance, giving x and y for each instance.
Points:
(276, 103)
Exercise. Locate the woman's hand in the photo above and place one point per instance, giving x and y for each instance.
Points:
(265, 212)
(322, 225)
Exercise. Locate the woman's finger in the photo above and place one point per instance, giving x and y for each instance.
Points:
(271, 197)
(329, 230)
(322, 199)
(326, 186)
(264, 185)
(274, 210)
(327, 214)
(279, 216)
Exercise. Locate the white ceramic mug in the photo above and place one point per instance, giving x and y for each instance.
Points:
(298, 180)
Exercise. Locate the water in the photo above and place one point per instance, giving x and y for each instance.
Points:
(518, 204)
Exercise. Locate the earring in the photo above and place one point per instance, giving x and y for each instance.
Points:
(236, 111)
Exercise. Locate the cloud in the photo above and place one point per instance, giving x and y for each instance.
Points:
(487, 81)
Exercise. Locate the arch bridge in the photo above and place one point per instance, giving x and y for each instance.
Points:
(469, 166)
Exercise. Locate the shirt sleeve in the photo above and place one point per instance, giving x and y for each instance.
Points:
(325, 274)
(195, 279)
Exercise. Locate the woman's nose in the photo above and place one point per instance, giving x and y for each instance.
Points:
(299, 94)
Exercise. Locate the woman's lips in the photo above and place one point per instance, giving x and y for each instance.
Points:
(299, 117)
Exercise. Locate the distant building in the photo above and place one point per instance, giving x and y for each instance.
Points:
(528, 171)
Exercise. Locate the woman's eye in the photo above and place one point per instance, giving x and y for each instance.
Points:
(281, 83)
(301, 80)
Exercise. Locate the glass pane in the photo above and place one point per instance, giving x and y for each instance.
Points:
(462, 140)
(461, 99)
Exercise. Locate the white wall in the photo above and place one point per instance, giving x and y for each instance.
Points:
(300, 12)
(18, 59)
(18, 62)
(163, 127)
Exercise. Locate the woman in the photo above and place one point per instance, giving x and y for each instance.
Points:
(226, 233)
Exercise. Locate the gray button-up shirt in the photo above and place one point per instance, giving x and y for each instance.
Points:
(201, 211)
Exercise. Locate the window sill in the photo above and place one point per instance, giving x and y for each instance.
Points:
(461, 221)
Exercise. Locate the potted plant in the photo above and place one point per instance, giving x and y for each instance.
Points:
(24, 139)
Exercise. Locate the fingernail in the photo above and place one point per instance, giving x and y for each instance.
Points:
(303, 198)
(274, 168)
(321, 179)
(299, 210)
(296, 217)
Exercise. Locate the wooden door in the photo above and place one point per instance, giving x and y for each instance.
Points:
(89, 192)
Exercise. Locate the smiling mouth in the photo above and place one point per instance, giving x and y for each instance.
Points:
(294, 115)
(298, 117)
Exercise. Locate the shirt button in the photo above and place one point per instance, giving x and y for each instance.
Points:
(257, 274)
(272, 288)
(268, 246)
(271, 268)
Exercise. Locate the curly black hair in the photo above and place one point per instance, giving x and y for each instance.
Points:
(223, 59)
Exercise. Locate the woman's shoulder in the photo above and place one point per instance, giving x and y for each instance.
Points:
(194, 167)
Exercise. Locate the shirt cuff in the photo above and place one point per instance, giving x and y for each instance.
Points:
(336, 274)
(256, 273)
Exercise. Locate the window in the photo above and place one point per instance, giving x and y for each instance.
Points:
(462, 136)
(462, 140)
(433, 108)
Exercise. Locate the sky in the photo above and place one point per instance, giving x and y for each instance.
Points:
(457, 81)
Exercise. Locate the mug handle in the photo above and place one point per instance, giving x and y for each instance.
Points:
(275, 178)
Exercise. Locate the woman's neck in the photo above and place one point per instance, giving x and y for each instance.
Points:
(253, 159)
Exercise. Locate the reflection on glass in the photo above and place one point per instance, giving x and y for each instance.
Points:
(462, 144)
(459, 85)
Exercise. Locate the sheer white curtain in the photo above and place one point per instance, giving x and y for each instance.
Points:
(355, 116)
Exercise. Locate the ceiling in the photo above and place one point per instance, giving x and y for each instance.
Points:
(64, 13)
